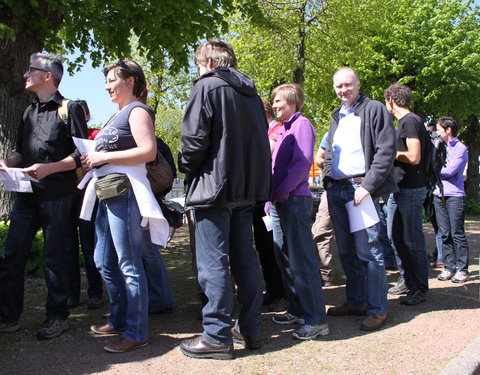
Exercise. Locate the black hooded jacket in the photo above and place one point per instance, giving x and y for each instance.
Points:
(225, 150)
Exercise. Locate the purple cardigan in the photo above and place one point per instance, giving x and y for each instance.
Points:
(452, 173)
(292, 159)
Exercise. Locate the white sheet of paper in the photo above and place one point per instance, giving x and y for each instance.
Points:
(363, 216)
(267, 220)
(84, 145)
(14, 179)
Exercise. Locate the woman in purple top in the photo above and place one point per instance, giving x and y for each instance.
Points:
(450, 209)
(290, 211)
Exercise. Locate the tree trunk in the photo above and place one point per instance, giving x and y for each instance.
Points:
(14, 55)
(472, 141)
(299, 73)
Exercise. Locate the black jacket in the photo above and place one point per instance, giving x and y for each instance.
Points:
(225, 150)
(378, 143)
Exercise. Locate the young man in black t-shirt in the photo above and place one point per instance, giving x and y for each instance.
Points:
(405, 208)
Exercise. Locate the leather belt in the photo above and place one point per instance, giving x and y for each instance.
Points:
(348, 181)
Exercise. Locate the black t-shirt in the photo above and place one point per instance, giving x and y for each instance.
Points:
(409, 176)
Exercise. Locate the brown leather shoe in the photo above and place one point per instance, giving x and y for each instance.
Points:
(373, 322)
(200, 348)
(124, 345)
(104, 329)
(347, 309)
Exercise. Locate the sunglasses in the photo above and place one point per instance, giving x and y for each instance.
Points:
(32, 68)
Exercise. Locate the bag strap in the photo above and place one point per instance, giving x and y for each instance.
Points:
(62, 111)
(25, 113)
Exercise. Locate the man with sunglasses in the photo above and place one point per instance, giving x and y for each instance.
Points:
(45, 150)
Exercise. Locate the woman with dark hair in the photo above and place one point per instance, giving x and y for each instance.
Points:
(126, 205)
(450, 206)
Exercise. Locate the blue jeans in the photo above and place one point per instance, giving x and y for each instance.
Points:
(360, 253)
(405, 216)
(295, 255)
(224, 244)
(438, 242)
(118, 256)
(160, 295)
(57, 219)
(450, 220)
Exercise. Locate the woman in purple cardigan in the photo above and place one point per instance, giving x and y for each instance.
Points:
(290, 211)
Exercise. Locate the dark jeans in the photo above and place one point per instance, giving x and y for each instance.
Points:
(388, 252)
(264, 247)
(360, 253)
(224, 244)
(86, 231)
(295, 254)
(57, 219)
(405, 216)
(450, 220)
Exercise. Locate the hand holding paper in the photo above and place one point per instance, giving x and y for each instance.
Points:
(14, 179)
(84, 145)
(362, 216)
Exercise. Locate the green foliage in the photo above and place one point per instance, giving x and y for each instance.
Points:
(35, 259)
(166, 29)
(430, 45)
(472, 207)
(169, 126)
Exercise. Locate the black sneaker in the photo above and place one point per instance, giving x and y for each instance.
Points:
(9, 327)
(413, 298)
(52, 328)
(399, 288)
(287, 318)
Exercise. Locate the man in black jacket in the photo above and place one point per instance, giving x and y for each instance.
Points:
(226, 161)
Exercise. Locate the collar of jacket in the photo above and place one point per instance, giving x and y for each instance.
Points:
(56, 98)
(358, 106)
(289, 122)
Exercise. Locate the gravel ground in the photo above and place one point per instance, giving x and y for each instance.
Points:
(438, 336)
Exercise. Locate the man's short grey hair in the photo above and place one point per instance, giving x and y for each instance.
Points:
(51, 62)
(347, 69)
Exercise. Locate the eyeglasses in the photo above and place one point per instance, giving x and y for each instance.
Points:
(32, 68)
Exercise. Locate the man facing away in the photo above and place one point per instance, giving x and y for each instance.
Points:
(358, 164)
(45, 150)
(226, 161)
(405, 208)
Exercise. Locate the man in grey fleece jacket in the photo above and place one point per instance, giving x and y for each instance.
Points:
(358, 165)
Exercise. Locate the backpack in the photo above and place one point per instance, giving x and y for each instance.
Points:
(437, 158)
(162, 170)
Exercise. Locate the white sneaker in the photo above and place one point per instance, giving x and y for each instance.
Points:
(460, 277)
